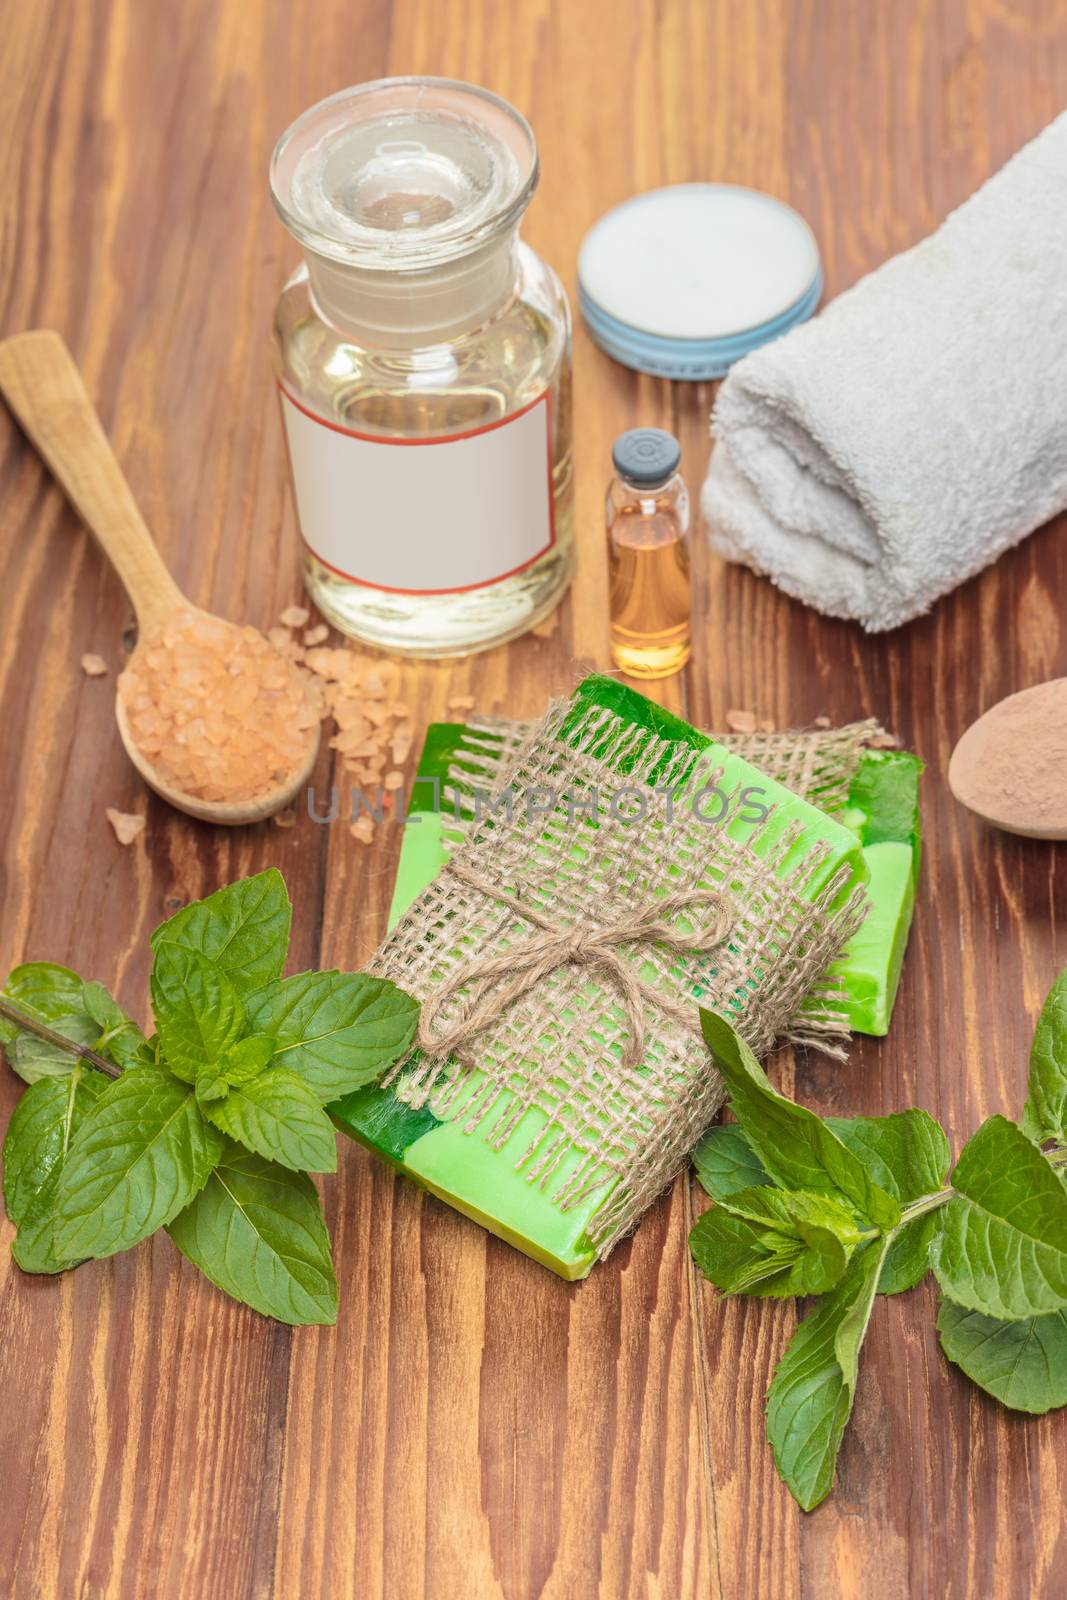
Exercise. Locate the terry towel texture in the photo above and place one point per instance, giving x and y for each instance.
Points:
(874, 458)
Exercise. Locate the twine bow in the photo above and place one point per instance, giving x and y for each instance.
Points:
(523, 966)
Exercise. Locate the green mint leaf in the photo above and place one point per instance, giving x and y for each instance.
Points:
(279, 1117)
(44, 989)
(1002, 1245)
(810, 1398)
(908, 1259)
(239, 1064)
(198, 1011)
(336, 1030)
(83, 1012)
(795, 1146)
(210, 1084)
(773, 1242)
(1021, 1364)
(119, 1039)
(34, 1246)
(33, 1058)
(908, 1154)
(247, 1058)
(725, 1162)
(243, 929)
(257, 1231)
(141, 1154)
(39, 1134)
(1045, 1113)
(38, 1138)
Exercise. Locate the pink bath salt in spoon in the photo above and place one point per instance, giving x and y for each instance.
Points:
(216, 720)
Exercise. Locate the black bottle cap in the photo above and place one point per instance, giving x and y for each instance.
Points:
(646, 456)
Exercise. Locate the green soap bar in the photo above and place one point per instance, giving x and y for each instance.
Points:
(754, 788)
(423, 853)
(873, 957)
(883, 811)
(438, 1156)
(885, 794)
(882, 807)
(483, 1182)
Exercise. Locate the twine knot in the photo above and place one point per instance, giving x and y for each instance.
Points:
(503, 979)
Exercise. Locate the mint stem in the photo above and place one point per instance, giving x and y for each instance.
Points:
(60, 1040)
(1055, 1155)
(928, 1202)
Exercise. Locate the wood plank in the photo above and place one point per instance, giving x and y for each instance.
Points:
(147, 1411)
(591, 1390)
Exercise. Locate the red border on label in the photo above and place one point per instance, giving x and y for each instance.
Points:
(445, 438)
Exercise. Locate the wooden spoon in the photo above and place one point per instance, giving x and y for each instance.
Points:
(1010, 767)
(44, 389)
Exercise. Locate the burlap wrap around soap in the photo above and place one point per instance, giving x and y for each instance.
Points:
(561, 954)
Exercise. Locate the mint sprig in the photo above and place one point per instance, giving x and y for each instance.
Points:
(994, 1232)
(209, 1128)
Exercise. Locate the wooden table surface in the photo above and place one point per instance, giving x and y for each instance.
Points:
(473, 1428)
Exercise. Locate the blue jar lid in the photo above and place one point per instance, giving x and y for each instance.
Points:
(684, 281)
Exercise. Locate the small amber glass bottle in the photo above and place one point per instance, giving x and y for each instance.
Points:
(648, 556)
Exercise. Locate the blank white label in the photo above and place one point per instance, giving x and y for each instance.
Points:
(427, 516)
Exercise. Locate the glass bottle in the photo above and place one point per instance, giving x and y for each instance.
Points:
(423, 354)
(648, 556)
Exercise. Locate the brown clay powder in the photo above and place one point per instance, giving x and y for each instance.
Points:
(1011, 765)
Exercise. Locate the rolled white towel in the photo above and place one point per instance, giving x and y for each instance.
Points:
(874, 458)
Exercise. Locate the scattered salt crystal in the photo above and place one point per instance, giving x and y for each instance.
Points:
(741, 721)
(127, 824)
(351, 740)
(321, 661)
(821, 722)
(349, 712)
(295, 616)
(285, 818)
(317, 634)
(362, 829)
(93, 666)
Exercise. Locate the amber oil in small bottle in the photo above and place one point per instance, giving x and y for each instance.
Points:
(648, 556)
